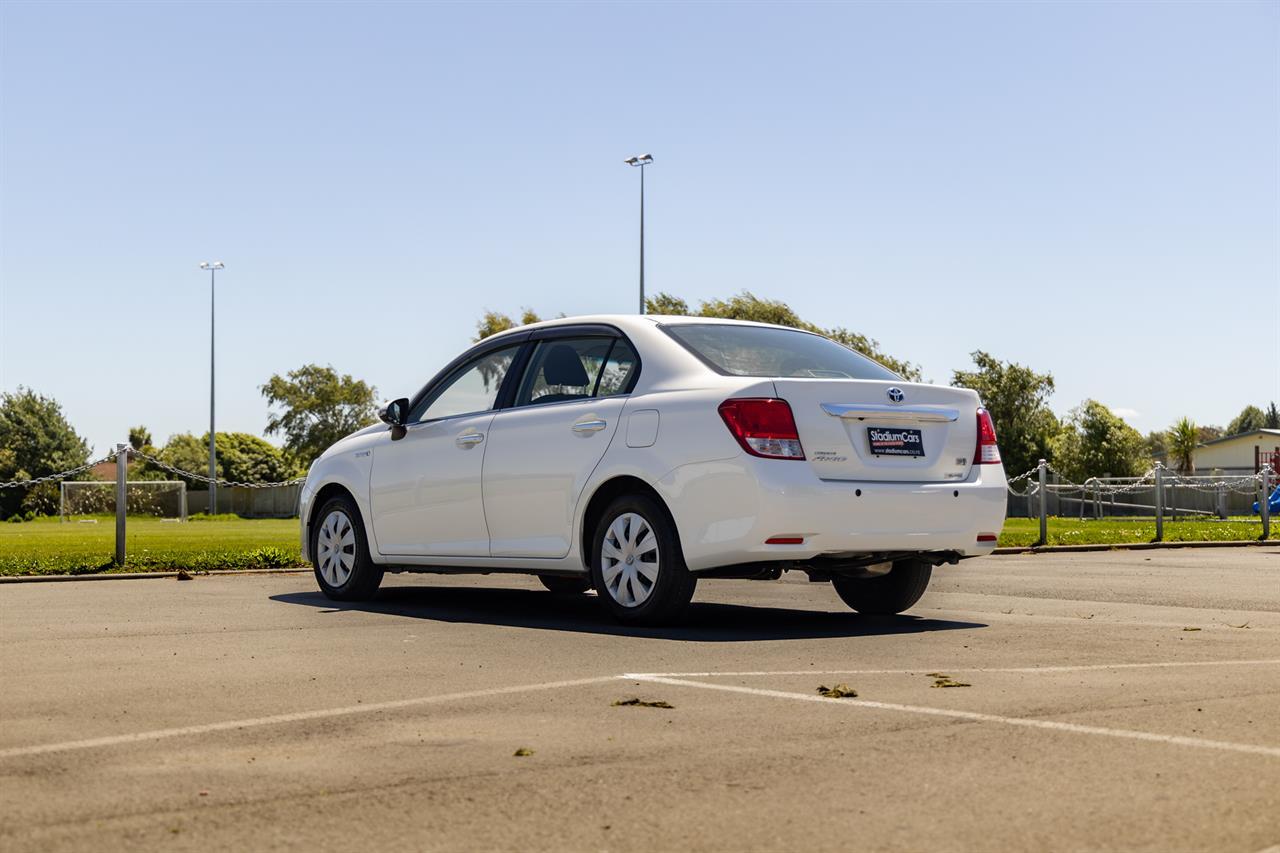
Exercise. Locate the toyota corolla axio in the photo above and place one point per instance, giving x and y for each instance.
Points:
(638, 455)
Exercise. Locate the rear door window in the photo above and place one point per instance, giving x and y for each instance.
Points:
(563, 369)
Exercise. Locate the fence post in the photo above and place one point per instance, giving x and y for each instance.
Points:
(1044, 504)
(122, 498)
(1264, 506)
(1159, 502)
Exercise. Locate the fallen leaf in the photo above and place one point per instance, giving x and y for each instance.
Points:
(523, 752)
(840, 691)
(941, 679)
(1191, 629)
(640, 703)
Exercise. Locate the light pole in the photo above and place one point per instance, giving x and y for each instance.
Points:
(213, 453)
(641, 161)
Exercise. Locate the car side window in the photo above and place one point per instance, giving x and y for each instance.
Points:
(474, 388)
(619, 370)
(563, 369)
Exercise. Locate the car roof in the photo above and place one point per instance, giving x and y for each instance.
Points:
(627, 322)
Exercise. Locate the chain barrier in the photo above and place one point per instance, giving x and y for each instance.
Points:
(53, 478)
(1245, 485)
(160, 463)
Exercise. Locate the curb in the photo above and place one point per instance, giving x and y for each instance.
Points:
(129, 576)
(1134, 546)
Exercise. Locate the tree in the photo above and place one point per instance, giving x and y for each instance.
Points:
(249, 459)
(748, 306)
(1158, 443)
(665, 303)
(1209, 432)
(1184, 438)
(1017, 398)
(184, 451)
(1250, 418)
(319, 407)
(242, 457)
(1096, 443)
(35, 440)
(1273, 417)
(139, 437)
(494, 322)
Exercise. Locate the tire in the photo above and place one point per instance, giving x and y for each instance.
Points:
(886, 595)
(655, 587)
(345, 572)
(565, 586)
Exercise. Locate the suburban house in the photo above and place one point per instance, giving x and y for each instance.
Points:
(1245, 452)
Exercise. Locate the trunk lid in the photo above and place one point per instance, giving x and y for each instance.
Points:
(882, 431)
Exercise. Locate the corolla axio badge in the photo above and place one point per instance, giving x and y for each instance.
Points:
(895, 395)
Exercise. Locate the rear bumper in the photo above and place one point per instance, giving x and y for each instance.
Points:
(725, 511)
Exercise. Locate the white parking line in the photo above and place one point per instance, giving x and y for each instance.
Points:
(1028, 669)
(1073, 728)
(229, 725)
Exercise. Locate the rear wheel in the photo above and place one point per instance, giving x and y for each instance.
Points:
(636, 564)
(340, 553)
(565, 586)
(887, 594)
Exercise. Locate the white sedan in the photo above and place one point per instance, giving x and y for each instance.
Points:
(635, 455)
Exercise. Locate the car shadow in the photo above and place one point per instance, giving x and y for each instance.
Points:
(706, 621)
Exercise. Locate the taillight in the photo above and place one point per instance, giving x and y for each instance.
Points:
(763, 426)
(986, 453)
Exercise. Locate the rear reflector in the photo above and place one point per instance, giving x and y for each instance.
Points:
(784, 540)
(986, 453)
(763, 426)
(986, 537)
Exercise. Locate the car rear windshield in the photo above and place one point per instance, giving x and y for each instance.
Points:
(766, 351)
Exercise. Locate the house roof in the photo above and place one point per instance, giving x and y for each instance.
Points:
(1239, 435)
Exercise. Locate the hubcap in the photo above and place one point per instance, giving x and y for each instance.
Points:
(336, 548)
(629, 560)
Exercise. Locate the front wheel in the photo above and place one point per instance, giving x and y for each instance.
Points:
(637, 567)
(340, 553)
(888, 594)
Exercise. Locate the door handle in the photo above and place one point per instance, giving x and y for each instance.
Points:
(469, 439)
(590, 426)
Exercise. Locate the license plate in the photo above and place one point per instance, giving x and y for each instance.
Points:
(892, 441)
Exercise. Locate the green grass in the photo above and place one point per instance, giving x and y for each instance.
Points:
(1113, 531)
(45, 546)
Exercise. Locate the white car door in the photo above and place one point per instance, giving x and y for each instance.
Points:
(543, 449)
(424, 488)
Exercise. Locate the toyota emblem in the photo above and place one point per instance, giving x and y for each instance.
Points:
(895, 395)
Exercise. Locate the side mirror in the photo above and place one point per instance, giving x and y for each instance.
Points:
(395, 412)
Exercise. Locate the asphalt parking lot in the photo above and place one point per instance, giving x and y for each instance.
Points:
(1118, 700)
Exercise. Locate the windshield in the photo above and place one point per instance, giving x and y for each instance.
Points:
(774, 351)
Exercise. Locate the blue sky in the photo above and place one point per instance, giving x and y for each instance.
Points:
(1089, 188)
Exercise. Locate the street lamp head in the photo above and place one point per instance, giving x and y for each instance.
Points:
(641, 160)
(216, 265)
